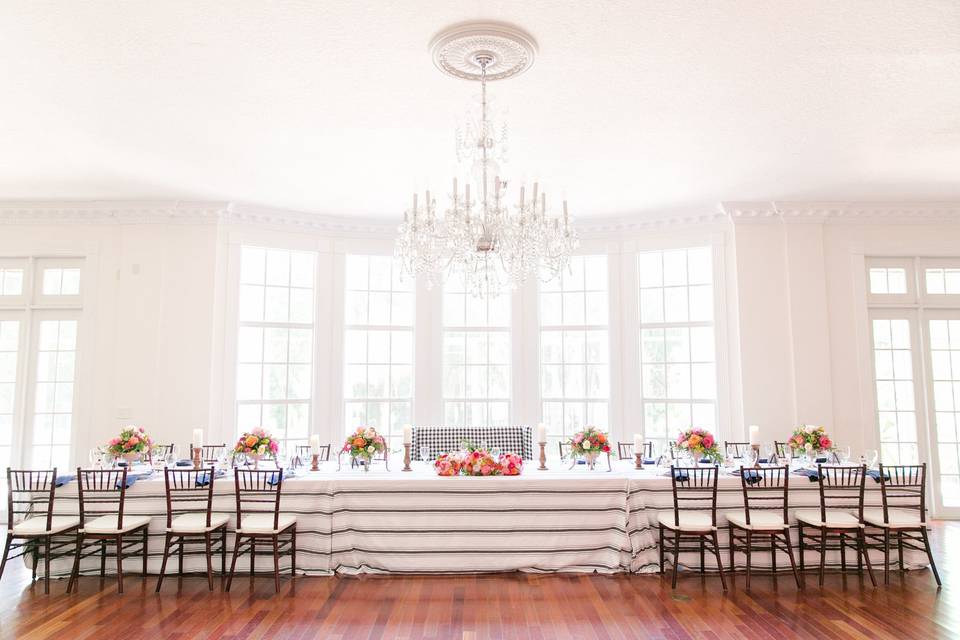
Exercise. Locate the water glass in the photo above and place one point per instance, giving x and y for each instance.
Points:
(425, 453)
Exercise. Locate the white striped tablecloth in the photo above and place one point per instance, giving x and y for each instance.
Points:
(393, 522)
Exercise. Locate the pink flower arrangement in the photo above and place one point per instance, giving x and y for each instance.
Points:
(589, 441)
(257, 442)
(364, 443)
(478, 462)
(808, 438)
(700, 443)
(132, 439)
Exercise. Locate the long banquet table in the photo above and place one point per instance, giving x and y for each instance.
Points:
(351, 522)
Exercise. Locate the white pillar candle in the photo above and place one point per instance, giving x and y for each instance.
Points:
(198, 437)
(407, 434)
(637, 443)
(541, 432)
(754, 434)
(315, 444)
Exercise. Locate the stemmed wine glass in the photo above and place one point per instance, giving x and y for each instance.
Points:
(870, 457)
(844, 453)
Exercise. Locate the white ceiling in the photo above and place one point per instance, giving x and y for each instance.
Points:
(334, 106)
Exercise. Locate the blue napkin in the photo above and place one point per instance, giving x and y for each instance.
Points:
(183, 463)
(681, 476)
(704, 460)
(751, 476)
(810, 473)
(875, 474)
(132, 478)
(649, 461)
(763, 461)
(274, 478)
(65, 479)
(822, 460)
(203, 479)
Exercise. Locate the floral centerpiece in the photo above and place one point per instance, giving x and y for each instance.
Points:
(132, 443)
(699, 443)
(589, 444)
(478, 461)
(256, 444)
(809, 440)
(363, 444)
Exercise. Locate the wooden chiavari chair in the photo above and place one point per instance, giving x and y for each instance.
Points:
(259, 517)
(781, 450)
(102, 496)
(190, 519)
(840, 515)
(694, 517)
(739, 448)
(30, 518)
(210, 453)
(564, 449)
(903, 491)
(765, 514)
(625, 450)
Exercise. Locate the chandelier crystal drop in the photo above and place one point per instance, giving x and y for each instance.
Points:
(482, 237)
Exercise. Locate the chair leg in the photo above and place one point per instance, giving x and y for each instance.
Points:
(46, 565)
(180, 558)
(823, 553)
(676, 557)
(843, 553)
(703, 542)
(716, 554)
(253, 555)
(233, 562)
(802, 547)
(206, 540)
(120, 564)
(103, 558)
(35, 554)
(749, 554)
(863, 552)
(773, 556)
(886, 555)
(167, 540)
(661, 550)
(276, 563)
(223, 552)
(900, 549)
(146, 548)
(75, 571)
(730, 542)
(793, 564)
(933, 565)
(6, 552)
(293, 551)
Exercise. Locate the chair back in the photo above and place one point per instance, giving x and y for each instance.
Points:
(256, 494)
(160, 451)
(564, 448)
(781, 450)
(304, 452)
(694, 488)
(739, 448)
(210, 452)
(625, 450)
(842, 488)
(30, 495)
(904, 487)
(101, 492)
(765, 488)
(189, 491)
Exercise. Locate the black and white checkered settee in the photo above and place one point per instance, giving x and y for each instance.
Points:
(441, 439)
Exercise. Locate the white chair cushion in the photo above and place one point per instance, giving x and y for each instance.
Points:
(689, 521)
(37, 526)
(197, 522)
(835, 519)
(899, 518)
(759, 520)
(263, 523)
(108, 524)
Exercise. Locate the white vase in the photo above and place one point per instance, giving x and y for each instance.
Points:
(591, 458)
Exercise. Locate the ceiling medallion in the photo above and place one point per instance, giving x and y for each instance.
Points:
(489, 243)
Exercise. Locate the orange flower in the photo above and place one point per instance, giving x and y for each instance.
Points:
(601, 437)
(252, 440)
(694, 440)
(359, 442)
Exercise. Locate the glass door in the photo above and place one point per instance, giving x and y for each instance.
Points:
(942, 351)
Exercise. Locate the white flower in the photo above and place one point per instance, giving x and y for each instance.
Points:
(808, 447)
(371, 449)
(368, 434)
(586, 444)
(809, 428)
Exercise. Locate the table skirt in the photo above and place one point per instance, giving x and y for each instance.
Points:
(379, 522)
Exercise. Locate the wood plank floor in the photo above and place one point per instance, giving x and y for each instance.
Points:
(531, 607)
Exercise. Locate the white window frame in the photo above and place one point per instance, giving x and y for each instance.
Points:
(908, 265)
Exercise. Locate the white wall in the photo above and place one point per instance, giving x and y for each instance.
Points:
(158, 320)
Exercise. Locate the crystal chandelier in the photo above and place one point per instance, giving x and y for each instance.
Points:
(493, 244)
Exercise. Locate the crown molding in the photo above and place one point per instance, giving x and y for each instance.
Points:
(111, 212)
(795, 212)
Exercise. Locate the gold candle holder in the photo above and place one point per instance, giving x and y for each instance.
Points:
(639, 461)
(543, 457)
(197, 462)
(315, 462)
(406, 457)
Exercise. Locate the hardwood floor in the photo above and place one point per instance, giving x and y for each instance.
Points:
(531, 607)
